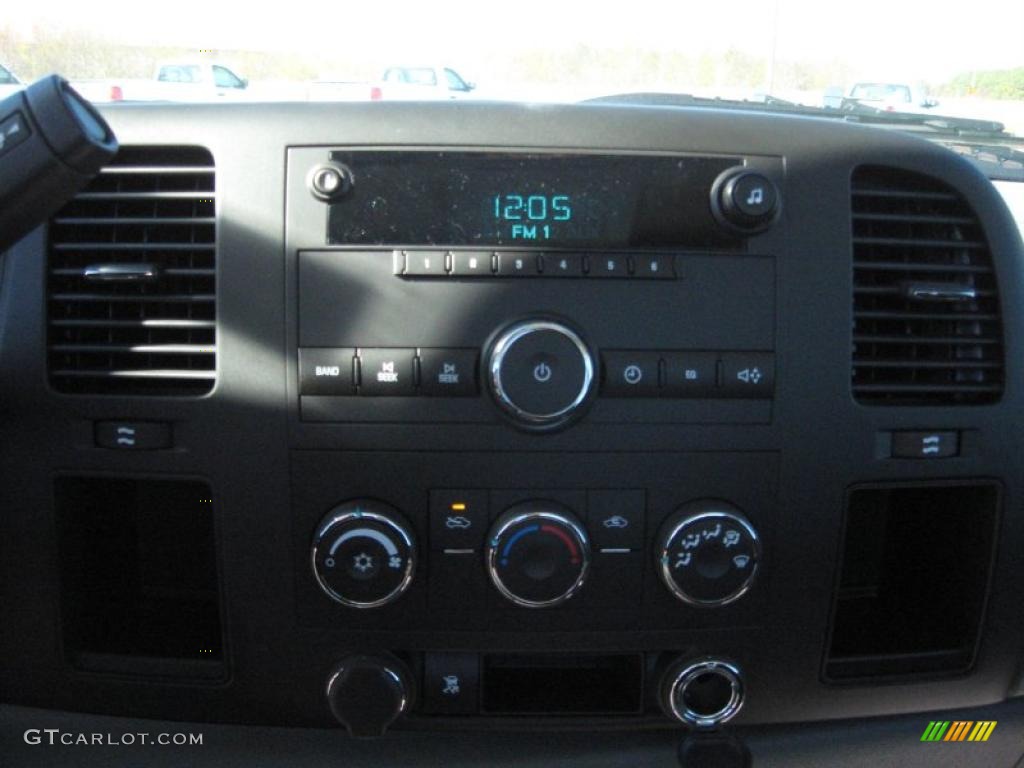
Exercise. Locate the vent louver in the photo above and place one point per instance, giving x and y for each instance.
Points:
(926, 321)
(132, 278)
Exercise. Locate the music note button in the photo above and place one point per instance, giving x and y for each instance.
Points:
(745, 200)
(754, 195)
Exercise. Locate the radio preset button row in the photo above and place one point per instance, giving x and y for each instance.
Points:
(649, 373)
(387, 372)
(438, 263)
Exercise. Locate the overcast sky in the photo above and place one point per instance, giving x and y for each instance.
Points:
(890, 38)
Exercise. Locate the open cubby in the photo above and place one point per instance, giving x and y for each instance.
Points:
(138, 570)
(914, 578)
(559, 684)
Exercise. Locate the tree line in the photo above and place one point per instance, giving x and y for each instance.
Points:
(82, 55)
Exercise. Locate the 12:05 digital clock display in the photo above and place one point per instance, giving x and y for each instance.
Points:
(531, 217)
(548, 200)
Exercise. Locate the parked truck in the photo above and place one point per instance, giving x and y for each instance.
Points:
(421, 83)
(172, 81)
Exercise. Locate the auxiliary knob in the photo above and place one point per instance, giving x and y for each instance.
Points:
(538, 554)
(540, 373)
(744, 200)
(707, 553)
(368, 693)
(703, 693)
(363, 554)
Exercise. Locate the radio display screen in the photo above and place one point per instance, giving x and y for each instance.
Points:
(543, 200)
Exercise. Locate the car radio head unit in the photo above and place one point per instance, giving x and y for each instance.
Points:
(527, 199)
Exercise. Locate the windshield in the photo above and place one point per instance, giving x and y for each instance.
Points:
(929, 60)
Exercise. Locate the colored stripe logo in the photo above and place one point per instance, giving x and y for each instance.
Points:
(958, 730)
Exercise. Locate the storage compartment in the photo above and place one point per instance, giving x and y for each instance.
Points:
(914, 579)
(139, 588)
(554, 684)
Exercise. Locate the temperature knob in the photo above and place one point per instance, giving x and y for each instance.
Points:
(363, 554)
(538, 555)
(707, 553)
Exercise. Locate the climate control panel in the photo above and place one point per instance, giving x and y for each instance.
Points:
(536, 553)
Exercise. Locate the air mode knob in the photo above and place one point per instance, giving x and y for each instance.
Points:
(707, 553)
(540, 373)
(538, 554)
(368, 693)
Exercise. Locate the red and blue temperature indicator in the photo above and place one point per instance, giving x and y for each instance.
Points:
(537, 528)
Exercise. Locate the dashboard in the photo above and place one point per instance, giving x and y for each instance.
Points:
(406, 420)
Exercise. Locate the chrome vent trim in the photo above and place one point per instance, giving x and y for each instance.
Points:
(132, 278)
(927, 325)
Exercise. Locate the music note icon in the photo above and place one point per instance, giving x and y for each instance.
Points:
(756, 196)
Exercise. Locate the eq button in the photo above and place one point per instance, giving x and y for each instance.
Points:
(690, 374)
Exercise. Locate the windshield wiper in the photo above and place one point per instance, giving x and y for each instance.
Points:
(983, 142)
(655, 99)
(965, 127)
(850, 111)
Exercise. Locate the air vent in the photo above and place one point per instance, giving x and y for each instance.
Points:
(926, 326)
(132, 278)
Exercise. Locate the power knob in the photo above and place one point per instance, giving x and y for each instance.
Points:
(540, 373)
